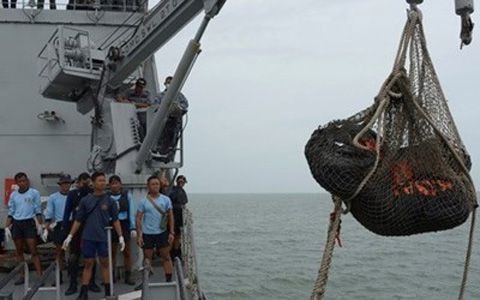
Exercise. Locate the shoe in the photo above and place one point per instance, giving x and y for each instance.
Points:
(128, 278)
(94, 287)
(72, 289)
(139, 287)
(107, 290)
(20, 281)
(83, 293)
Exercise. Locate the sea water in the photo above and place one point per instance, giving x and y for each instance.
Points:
(269, 246)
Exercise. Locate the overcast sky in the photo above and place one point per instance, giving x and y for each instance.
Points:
(271, 71)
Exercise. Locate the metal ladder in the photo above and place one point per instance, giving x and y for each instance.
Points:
(175, 290)
(29, 293)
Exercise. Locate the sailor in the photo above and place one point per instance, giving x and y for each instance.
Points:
(179, 199)
(95, 212)
(71, 207)
(54, 218)
(173, 127)
(142, 99)
(155, 226)
(126, 216)
(139, 95)
(40, 4)
(13, 3)
(24, 221)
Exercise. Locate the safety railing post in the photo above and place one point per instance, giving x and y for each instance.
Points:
(57, 280)
(110, 260)
(180, 278)
(38, 285)
(146, 279)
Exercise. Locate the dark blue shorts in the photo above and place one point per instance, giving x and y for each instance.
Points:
(157, 241)
(90, 249)
(58, 235)
(24, 229)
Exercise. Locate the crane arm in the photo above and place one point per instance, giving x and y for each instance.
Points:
(157, 28)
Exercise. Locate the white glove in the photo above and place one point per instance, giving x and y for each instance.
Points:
(52, 226)
(39, 230)
(8, 235)
(121, 241)
(44, 235)
(133, 234)
(67, 242)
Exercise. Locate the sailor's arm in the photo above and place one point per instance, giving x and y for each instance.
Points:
(171, 225)
(139, 219)
(38, 210)
(11, 212)
(49, 212)
(68, 210)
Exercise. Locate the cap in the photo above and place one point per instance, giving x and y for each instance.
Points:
(83, 176)
(65, 178)
(114, 178)
(141, 81)
(181, 177)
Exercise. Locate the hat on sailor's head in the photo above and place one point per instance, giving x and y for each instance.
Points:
(141, 81)
(65, 178)
(181, 177)
(83, 176)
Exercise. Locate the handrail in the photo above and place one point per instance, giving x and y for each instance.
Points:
(77, 5)
(147, 266)
(180, 278)
(190, 256)
(4, 281)
(41, 282)
(110, 259)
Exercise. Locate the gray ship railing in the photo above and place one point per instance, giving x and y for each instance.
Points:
(177, 289)
(29, 293)
(180, 277)
(38, 286)
(189, 256)
(21, 267)
(87, 5)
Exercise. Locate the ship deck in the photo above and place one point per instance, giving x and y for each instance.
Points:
(122, 290)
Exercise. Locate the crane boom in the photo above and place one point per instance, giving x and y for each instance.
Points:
(158, 26)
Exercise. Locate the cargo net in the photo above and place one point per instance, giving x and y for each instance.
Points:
(400, 165)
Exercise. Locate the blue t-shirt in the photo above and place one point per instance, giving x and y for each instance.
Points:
(151, 217)
(96, 216)
(55, 207)
(124, 215)
(24, 206)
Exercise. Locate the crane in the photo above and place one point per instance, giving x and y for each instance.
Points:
(75, 70)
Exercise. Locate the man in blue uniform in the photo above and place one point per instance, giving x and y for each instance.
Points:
(95, 212)
(54, 218)
(126, 216)
(71, 206)
(167, 143)
(24, 221)
(179, 199)
(155, 226)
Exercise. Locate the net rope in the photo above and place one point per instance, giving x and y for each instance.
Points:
(400, 165)
(189, 256)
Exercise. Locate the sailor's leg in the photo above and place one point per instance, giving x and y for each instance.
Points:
(32, 247)
(105, 274)
(167, 262)
(19, 244)
(127, 261)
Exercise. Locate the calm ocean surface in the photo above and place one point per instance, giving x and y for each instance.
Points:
(269, 247)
